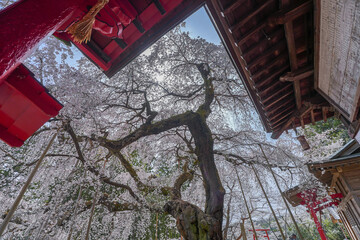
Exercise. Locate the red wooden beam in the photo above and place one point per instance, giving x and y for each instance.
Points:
(25, 105)
(25, 23)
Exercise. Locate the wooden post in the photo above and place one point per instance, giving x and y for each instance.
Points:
(317, 223)
(282, 195)
(247, 207)
(25, 187)
(268, 201)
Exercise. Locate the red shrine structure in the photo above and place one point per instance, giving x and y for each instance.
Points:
(266, 236)
(314, 204)
(340, 176)
(25, 105)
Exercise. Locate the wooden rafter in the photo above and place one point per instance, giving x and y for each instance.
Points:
(250, 33)
(302, 122)
(276, 49)
(243, 21)
(282, 57)
(232, 7)
(283, 96)
(297, 114)
(275, 94)
(255, 47)
(298, 74)
(289, 14)
(271, 76)
(297, 91)
(280, 105)
(282, 117)
(279, 114)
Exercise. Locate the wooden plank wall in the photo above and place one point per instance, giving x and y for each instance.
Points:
(345, 181)
(339, 54)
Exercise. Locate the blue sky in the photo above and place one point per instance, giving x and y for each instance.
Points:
(199, 24)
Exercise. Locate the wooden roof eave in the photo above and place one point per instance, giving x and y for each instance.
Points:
(181, 12)
(291, 195)
(234, 51)
(333, 163)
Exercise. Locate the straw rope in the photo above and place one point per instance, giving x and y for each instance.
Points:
(81, 30)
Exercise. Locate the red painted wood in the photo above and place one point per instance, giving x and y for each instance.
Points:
(115, 21)
(317, 223)
(25, 23)
(314, 205)
(25, 105)
(261, 230)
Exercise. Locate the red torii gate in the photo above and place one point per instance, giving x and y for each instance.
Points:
(261, 230)
(310, 200)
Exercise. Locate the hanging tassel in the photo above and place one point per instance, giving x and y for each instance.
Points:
(81, 30)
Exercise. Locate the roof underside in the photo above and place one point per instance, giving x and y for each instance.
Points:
(273, 47)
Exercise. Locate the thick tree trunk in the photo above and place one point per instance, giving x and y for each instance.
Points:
(192, 222)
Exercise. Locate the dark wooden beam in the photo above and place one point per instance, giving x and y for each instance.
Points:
(232, 7)
(282, 111)
(290, 39)
(312, 116)
(298, 74)
(250, 33)
(277, 35)
(249, 16)
(324, 113)
(160, 7)
(297, 91)
(283, 116)
(302, 122)
(275, 94)
(273, 50)
(280, 105)
(277, 100)
(282, 58)
(271, 76)
(297, 114)
(289, 14)
(93, 46)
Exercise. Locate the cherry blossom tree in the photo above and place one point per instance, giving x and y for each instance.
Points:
(156, 140)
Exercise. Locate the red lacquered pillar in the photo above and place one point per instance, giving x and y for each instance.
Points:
(317, 223)
(25, 23)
